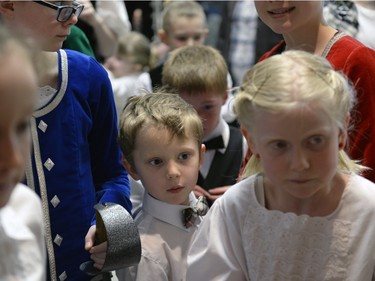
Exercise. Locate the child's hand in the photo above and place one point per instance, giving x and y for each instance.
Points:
(217, 192)
(98, 252)
(199, 191)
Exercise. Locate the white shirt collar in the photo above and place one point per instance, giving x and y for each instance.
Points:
(222, 129)
(169, 213)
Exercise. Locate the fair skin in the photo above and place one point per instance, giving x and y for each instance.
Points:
(184, 32)
(122, 66)
(167, 166)
(38, 22)
(298, 150)
(300, 22)
(17, 99)
(208, 105)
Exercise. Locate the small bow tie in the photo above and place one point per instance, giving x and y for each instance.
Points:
(190, 215)
(215, 143)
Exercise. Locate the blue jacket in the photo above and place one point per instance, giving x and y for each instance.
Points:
(76, 162)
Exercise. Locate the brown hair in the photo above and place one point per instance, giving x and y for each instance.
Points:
(161, 110)
(196, 69)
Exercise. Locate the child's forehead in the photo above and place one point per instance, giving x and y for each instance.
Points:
(154, 130)
(184, 23)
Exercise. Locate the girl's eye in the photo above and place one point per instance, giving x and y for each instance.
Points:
(278, 145)
(155, 162)
(316, 141)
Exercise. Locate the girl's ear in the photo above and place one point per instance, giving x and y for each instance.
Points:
(250, 142)
(129, 168)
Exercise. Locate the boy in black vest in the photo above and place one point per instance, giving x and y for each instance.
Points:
(199, 75)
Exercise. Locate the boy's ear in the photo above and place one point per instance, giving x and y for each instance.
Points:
(129, 168)
(6, 7)
(201, 154)
(163, 36)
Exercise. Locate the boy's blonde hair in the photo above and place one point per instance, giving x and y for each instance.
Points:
(293, 79)
(196, 70)
(136, 47)
(177, 9)
(161, 110)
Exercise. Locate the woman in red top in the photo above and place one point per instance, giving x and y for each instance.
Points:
(303, 27)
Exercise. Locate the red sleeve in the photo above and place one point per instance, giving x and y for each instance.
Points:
(357, 62)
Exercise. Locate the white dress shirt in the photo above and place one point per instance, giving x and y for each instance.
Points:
(165, 242)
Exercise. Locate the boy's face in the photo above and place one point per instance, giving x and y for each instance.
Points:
(37, 22)
(208, 105)
(17, 97)
(168, 168)
(184, 32)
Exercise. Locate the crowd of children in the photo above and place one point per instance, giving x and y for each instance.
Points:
(271, 180)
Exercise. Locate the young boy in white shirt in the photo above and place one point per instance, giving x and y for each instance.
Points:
(161, 140)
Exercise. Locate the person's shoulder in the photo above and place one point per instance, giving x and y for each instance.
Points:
(349, 45)
(349, 53)
(24, 194)
(362, 185)
(239, 194)
(85, 66)
(277, 49)
(362, 191)
(143, 84)
(82, 59)
(27, 205)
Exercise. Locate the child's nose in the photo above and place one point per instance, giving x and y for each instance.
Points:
(173, 171)
(190, 41)
(72, 20)
(299, 160)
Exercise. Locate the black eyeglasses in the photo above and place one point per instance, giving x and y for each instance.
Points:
(64, 12)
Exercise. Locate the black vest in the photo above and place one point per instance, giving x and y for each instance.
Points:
(224, 169)
(155, 76)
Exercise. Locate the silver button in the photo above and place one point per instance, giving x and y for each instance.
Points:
(58, 240)
(63, 276)
(42, 126)
(49, 164)
(55, 201)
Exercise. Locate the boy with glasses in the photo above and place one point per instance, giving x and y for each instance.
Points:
(75, 161)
